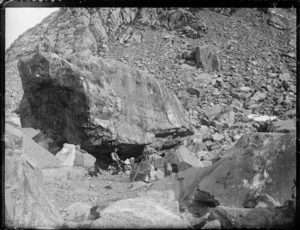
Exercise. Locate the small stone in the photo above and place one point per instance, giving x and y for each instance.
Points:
(92, 186)
(208, 144)
(291, 55)
(217, 137)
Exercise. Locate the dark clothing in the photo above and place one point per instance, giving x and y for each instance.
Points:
(144, 156)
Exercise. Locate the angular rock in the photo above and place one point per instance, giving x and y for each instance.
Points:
(37, 153)
(207, 58)
(152, 210)
(214, 224)
(138, 185)
(131, 36)
(259, 163)
(277, 22)
(188, 102)
(84, 159)
(258, 96)
(183, 183)
(189, 55)
(212, 112)
(182, 155)
(66, 155)
(204, 78)
(227, 118)
(253, 201)
(26, 204)
(193, 92)
(217, 137)
(283, 217)
(256, 117)
(283, 126)
(112, 102)
(46, 142)
(13, 119)
(78, 212)
(159, 174)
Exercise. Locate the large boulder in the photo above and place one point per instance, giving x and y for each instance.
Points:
(258, 163)
(35, 152)
(182, 158)
(92, 101)
(152, 210)
(68, 30)
(183, 183)
(26, 204)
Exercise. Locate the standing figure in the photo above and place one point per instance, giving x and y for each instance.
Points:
(116, 159)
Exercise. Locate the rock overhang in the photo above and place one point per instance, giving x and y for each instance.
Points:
(92, 101)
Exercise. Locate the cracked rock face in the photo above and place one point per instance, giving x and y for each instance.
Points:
(91, 101)
(258, 163)
(26, 204)
(72, 30)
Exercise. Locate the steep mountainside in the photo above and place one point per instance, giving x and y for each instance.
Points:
(254, 52)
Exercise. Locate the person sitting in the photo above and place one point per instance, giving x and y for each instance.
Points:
(116, 159)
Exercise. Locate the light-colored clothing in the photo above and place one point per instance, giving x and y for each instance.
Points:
(114, 156)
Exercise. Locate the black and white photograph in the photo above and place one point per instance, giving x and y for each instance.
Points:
(149, 117)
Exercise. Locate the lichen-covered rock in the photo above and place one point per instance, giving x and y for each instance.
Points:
(91, 101)
(26, 204)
